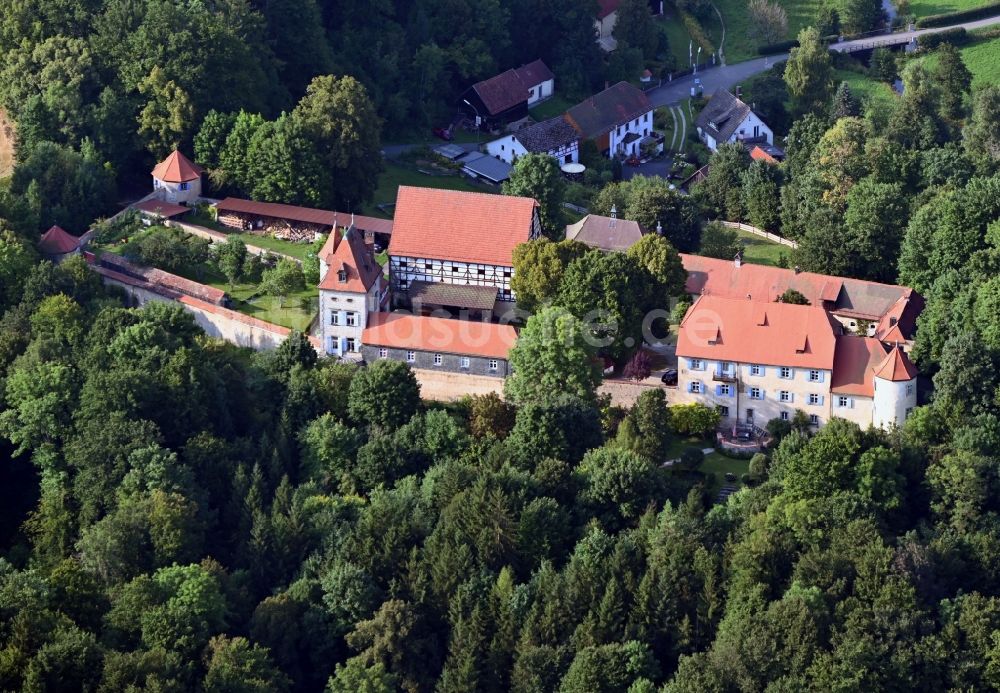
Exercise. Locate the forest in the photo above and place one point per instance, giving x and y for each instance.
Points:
(179, 514)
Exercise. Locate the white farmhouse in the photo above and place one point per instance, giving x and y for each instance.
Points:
(728, 119)
(554, 137)
(177, 180)
(619, 120)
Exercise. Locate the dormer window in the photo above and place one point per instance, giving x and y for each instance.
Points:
(342, 275)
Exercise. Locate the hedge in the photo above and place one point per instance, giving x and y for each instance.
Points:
(959, 16)
(697, 32)
(955, 37)
(779, 47)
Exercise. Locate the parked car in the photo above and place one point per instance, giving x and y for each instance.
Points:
(669, 377)
(443, 133)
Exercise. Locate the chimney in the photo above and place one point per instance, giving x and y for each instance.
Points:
(796, 269)
(614, 216)
(738, 260)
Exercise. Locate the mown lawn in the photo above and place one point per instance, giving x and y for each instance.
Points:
(922, 8)
(865, 87)
(739, 46)
(296, 250)
(554, 106)
(394, 176)
(762, 251)
(678, 38)
(714, 463)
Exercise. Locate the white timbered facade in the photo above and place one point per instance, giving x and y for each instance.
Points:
(403, 271)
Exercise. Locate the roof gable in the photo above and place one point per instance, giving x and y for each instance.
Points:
(605, 233)
(502, 92)
(722, 115)
(460, 226)
(176, 168)
(896, 367)
(351, 266)
(534, 73)
(547, 135)
(610, 108)
(855, 361)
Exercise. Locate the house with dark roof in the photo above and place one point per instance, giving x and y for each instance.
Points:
(619, 120)
(728, 119)
(554, 137)
(177, 180)
(351, 289)
(501, 102)
(462, 238)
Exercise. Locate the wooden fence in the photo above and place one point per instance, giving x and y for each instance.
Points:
(774, 238)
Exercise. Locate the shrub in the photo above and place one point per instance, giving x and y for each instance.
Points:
(679, 311)
(758, 465)
(959, 16)
(955, 37)
(691, 458)
(779, 47)
(745, 478)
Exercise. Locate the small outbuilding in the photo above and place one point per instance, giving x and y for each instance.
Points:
(177, 180)
(57, 245)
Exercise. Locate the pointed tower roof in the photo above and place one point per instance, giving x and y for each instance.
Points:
(55, 241)
(177, 168)
(896, 366)
(354, 262)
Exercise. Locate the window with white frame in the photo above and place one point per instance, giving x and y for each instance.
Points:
(411, 356)
(494, 364)
(756, 393)
(784, 416)
(350, 344)
(843, 401)
(437, 359)
(351, 319)
(784, 396)
(464, 362)
(383, 353)
(814, 419)
(695, 387)
(723, 411)
(334, 317)
(725, 390)
(814, 398)
(909, 389)
(697, 365)
(815, 376)
(756, 369)
(785, 372)
(184, 186)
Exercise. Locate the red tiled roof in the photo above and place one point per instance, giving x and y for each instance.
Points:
(759, 154)
(354, 259)
(606, 7)
(854, 298)
(441, 335)
(176, 168)
(171, 283)
(896, 367)
(460, 226)
(779, 334)
(306, 215)
(854, 365)
(160, 208)
(502, 92)
(55, 241)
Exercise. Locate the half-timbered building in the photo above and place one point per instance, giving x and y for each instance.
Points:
(460, 238)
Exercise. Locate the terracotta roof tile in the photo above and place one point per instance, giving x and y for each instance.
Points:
(306, 215)
(896, 367)
(460, 226)
(55, 241)
(176, 168)
(355, 260)
(606, 7)
(534, 73)
(165, 280)
(502, 92)
(441, 335)
(854, 365)
(729, 329)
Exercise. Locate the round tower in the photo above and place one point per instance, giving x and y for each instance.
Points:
(895, 394)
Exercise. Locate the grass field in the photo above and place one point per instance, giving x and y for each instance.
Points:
(922, 8)
(714, 463)
(554, 106)
(762, 251)
(394, 176)
(739, 46)
(983, 60)
(296, 250)
(864, 87)
(678, 37)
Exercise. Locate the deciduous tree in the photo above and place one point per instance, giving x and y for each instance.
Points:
(537, 175)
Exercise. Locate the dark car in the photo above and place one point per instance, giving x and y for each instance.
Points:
(443, 133)
(669, 377)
